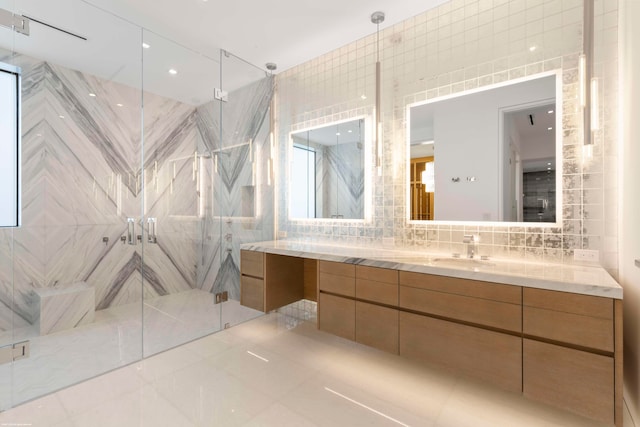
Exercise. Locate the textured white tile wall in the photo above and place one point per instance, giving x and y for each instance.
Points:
(458, 46)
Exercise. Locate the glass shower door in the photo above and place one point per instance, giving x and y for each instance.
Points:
(178, 167)
(243, 194)
(70, 285)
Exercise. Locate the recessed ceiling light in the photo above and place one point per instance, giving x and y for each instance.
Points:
(548, 169)
(337, 133)
(533, 48)
(349, 131)
(363, 96)
(92, 95)
(145, 45)
(548, 164)
(119, 105)
(549, 128)
(61, 116)
(550, 112)
(172, 71)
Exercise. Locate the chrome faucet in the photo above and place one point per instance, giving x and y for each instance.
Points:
(470, 241)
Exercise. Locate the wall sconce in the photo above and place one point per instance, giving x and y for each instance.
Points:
(377, 18)
(582, 79)
(272, 138)
(595, 119)
(588, 85)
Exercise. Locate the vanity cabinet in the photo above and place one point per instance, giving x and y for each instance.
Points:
(467, 325)
(336, 313)
(252, 279)
(572, 352)
(376, 308)
(270, 281)
(491, 356)
(480, 303)
(560, 348)
(352, 304)
(568, 378)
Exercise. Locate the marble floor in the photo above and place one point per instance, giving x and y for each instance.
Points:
(278, 371)
(118, 337)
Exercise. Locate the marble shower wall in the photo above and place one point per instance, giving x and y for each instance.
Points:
(340, 180)
(454, 47)
(81, 180)
(242, 208)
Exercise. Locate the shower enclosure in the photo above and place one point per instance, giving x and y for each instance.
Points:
(144, 167)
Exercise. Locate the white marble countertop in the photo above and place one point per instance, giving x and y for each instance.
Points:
(580, 279)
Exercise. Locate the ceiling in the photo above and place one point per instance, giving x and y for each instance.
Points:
(286, 32)
(187, 35)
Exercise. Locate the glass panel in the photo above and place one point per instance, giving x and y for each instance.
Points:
(8, 315)
(243, 191)
(178, 131)
(76, 294)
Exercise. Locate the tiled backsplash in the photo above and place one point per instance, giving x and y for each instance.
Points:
(462, 45)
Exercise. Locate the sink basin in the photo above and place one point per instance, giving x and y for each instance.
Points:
(462, 262)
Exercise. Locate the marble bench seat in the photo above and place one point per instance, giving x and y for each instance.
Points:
(65, 307)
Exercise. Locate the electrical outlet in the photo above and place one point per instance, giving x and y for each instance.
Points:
(586, 255)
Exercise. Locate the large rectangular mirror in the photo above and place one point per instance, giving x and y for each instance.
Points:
(328, 171)
(487, 155)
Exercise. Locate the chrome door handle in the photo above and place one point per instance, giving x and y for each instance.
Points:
(151, 230)
(131, 231)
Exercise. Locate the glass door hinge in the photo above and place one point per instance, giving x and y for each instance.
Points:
(14, 352)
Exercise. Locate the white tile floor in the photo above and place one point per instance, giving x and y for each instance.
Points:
(267, 373)
(118, 337)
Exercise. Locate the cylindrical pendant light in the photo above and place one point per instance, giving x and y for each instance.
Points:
(377, 18)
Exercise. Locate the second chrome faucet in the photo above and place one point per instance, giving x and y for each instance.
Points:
(470, 241)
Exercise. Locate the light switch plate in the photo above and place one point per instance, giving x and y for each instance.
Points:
(586, 255)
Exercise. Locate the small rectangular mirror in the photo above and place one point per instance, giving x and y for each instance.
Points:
(327, 171)
(488, 154)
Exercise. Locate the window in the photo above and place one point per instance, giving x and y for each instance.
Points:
(303, 191)
(9, 146)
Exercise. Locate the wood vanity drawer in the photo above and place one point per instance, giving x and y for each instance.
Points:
(384, 275)
(480, 311)
(337, 278)
(571, 379)
(491, 356)
(252, 263)
(337, 268)
(580, 320)
(377, 326)
(383, 293)
(377, 285)
(252, 292)
(472, 288)
(337, 316)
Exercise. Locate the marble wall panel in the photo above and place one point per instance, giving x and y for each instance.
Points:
(241, 166)
(340, 181)
(82, 179)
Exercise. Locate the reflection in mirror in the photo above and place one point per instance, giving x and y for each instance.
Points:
(328, 171)
(487, 155)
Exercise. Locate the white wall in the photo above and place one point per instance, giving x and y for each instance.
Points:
(466, 134)
(630, 202)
